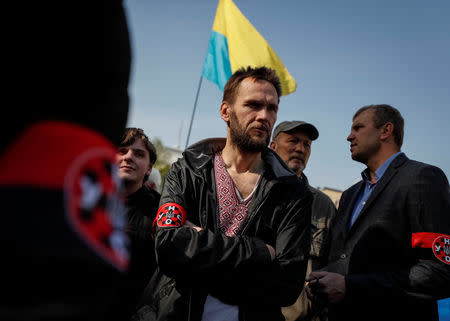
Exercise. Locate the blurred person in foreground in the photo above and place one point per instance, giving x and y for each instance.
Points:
(232, 231)
(292, 141)
(135, 158)
(389, 256)
(65, 251)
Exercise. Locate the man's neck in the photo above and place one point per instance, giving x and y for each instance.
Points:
(130, 188)
(375, 162)
(240, 161)
(245, 169)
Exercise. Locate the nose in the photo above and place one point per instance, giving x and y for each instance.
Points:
(299, 148)
(350, 137)
(267, 117)
(262, 113)
(128, 155)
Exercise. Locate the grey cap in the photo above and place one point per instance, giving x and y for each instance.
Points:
(305, 127)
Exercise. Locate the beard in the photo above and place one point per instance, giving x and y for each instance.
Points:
(297, 169)
(243, 140)
(359, 158)
(366, 151)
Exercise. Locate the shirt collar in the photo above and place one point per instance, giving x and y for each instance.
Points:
(381, 170)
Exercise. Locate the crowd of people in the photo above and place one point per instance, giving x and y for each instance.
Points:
(234, 232)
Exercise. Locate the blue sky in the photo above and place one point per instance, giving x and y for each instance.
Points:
(343, 54)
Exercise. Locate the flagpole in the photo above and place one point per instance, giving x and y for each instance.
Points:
(196, 99)
(193, 111)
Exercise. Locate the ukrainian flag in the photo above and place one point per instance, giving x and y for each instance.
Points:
(235, 43)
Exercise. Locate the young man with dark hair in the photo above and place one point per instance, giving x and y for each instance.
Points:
(232, 234)
(135, 158)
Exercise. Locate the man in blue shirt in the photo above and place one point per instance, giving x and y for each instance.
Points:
(390, 248)
(369, 186)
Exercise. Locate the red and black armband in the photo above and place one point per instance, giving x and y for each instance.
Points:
(170, 215)
(439, 244)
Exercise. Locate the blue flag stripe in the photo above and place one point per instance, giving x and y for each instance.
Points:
(217, 67)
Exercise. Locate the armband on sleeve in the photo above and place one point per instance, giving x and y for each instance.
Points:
(438, 243)
(170, 215)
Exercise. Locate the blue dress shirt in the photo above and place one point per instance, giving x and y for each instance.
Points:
(369, 187)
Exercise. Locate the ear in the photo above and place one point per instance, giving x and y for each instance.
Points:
(272, 145)
(225, 110)
(387, 130)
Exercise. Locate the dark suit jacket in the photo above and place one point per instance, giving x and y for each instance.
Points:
(387, 257)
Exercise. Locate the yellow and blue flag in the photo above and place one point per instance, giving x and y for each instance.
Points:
(235, 43)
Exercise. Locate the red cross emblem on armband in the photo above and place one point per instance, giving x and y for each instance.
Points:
(171, 215)
(441, 248)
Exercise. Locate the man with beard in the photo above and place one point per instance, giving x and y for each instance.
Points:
(389, 257)
(232, 231)
(292, 140)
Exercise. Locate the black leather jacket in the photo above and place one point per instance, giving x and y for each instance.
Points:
(237, 270)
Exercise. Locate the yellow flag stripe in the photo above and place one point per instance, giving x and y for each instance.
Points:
(246, 45)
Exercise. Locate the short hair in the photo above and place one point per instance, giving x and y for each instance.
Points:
(129, 137)
(258, 73)
(383, 114)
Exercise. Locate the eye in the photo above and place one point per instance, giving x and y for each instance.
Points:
(123, 151)
(273, 108)
(253, 105)
(140, 153)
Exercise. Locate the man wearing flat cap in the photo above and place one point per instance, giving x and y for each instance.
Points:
(292, 141)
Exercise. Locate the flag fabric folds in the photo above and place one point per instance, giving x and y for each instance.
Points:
(235, 43)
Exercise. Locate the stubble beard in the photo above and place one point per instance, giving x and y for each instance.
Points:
(359, 158)
(298, 169)
(365, 154)
(243, 140)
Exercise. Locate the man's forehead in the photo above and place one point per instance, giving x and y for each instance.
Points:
(138, 145)
(364, 116)
(296, 132)
(250, 85)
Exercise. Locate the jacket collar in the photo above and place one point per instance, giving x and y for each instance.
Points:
(199, 155)
(391, 171)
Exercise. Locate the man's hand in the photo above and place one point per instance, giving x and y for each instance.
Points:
(328, 284)
(189, 224)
